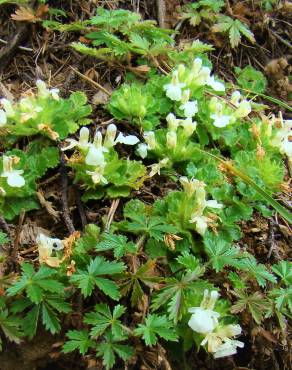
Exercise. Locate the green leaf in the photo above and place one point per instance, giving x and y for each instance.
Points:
(254, 302)
(284, 270)
(156, 326)
(103, 320)
(50, 319)
(78, 340)
(118, 243)
(251, 79)
(86, 280)
(109, 347)
(257, 270)
(220, 252)
(235, 29)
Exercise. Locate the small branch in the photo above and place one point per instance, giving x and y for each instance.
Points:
(161, 10)
(279, 38)
(4, 226)
(96, 84)
(19, 47)
(8, 51)
(80, 207)
(64, 199)
(111, 214)
(13, 253)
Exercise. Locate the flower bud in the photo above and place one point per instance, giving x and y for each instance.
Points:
(110, 136)
(172, 122)
(171, 140)
(149, 137)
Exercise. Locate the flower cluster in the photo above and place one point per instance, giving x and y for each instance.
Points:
(223, 114)
(197, 188)
(14, 177)
(94, 152)
(204, 320)
(197, 76)
(28, 108)
(178, 130)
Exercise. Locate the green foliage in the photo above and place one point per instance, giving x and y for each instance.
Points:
(118, 243)
(45, 114)
(131, 282)
(78, 339)
(235, 29)
(156, 326)
(177, 291)
(141, 221)
(103, 320)
(86, 280)
(34, 162)
(249, 78)
(40, 295)
(110, 348)
(255, 303)
(220, 252)
(10, 325)
(119, 34)
(147, 103)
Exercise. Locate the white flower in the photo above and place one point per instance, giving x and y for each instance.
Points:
(203, 76)
(216, 340)
(7, 105)
(204, 320)
(3, 118)
(190, 108)
(216, 85)
(95, 156)
(201, 223)
(235, 98)
(142, 150)
(220, 120)
(111, 140)
(243, 110)
(46, 247)
(283, 138)
(49, 243)
(14, 178)
(171, 140)
(149, 137)
(55, 93)
(173, 89)
(228, 348)
(29, 110)
(43, 91)
(190, 186)
(213, 204)
(172, 122)
(97, 175)
(189, 126)
(196, 67)
(82, 143)
(156, 167)
(128, 140)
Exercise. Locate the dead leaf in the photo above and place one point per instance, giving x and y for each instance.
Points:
(25, 14)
